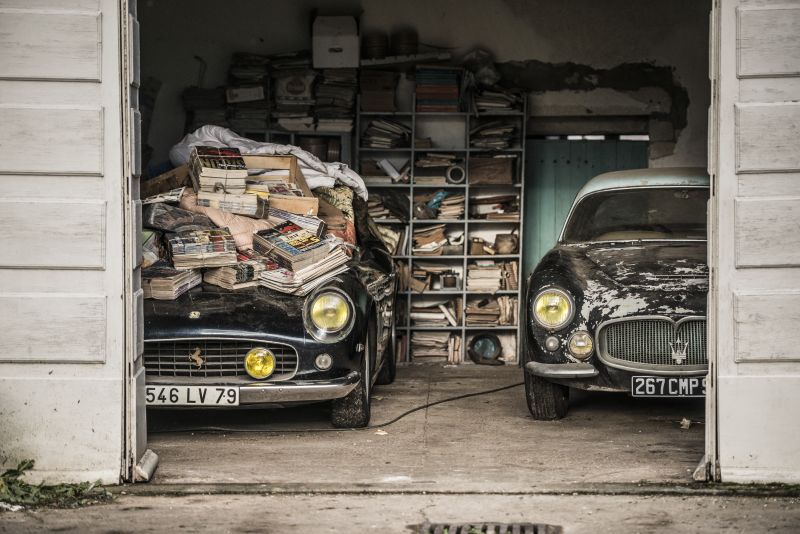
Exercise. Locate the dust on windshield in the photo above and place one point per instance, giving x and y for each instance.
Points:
(634, 214)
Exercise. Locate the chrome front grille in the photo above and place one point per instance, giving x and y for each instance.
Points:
(217, 358)
(654, 344)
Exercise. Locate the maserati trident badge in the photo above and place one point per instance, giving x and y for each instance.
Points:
(678, 350)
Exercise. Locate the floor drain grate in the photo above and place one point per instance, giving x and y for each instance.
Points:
(489, 528)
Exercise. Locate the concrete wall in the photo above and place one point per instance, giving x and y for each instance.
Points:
(600, 34)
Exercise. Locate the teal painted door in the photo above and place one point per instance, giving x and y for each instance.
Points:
(554, 172)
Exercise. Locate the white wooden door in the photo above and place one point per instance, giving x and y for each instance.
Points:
(62, 244)
(755, 251)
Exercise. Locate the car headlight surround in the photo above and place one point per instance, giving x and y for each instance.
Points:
(329, 315)
(553, 308)
(581, 344)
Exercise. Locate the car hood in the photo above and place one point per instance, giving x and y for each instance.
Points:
(616, 280)
(209, 311)
(653, 266)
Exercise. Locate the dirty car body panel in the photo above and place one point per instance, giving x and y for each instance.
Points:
(202, 337)
(637, 281)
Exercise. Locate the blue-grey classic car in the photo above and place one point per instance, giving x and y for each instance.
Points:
(619, 304)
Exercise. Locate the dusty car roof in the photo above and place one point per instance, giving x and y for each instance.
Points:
(667, 176)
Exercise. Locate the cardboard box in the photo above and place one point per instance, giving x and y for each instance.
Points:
(484, 171)
(308, 204)
(335, 43)
(177, 177)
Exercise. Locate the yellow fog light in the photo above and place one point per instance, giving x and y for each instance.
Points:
(581, 345)
(553, 308)
(259, 363)
(330, 312)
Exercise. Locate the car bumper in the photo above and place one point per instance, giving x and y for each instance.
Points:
(561, 371)
(285, 391)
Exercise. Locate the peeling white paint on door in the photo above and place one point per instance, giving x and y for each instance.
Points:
(61, 253)
(755, 263)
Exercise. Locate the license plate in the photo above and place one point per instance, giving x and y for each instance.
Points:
(668, 386)
(192, 396)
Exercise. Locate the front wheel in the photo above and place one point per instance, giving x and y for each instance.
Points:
(353, 411)
(546, 401)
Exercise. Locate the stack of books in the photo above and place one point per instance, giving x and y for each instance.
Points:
(435, 345)
(385, 133)
(438, 89)
(429, 240)
(294, 94)
(162, 282)
(202, 248)
(494, 135)
(497, 100)
(433, 167)
(313, 224)
(442, 314)
(510, 275)
(484, 276)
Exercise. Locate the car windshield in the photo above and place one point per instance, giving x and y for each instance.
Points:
(639, 214)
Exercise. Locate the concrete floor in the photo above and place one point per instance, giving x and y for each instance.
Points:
(615, 464)
(487, 443)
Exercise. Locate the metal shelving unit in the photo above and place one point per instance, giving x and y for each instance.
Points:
(413, 119)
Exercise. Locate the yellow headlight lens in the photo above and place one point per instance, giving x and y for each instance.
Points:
(330, 312)
(552, 308)
(259, 363)
(581, 345)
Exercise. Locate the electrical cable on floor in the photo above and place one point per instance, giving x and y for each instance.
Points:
(236, 430)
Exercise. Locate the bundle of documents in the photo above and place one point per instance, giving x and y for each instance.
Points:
(290, 246)
(433, 345)
(242, 275)
(495, 135)
(335, 96)
(246, 204)
(510, 275)
(162, 282)
(203, 248)
(494, 207)
(302, 281)
(500, 311)
(218, 170)
(385, 133)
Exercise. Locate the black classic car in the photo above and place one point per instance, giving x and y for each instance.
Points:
(619, 304)
(214, 347)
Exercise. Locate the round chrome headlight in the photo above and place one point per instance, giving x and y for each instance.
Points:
(553, 308)
(329, 316)
(581, 344)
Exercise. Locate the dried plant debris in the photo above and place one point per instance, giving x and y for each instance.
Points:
(16, 493)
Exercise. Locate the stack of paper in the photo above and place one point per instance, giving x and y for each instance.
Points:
(302, 281)
(500, 311)
(494, 207)
(484, 276)
(495, 135)
(385, 133)
(203, 248)
(441, 313)
(290, 246)
(429, 240)
(162, 282)
(430, 345)
(242, 275)
(497, 100)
